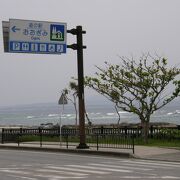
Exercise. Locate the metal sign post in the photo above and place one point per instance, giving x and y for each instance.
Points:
(5, 25)
(62, 101)
(79, 47)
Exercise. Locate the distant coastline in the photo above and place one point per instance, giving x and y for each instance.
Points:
(36, 114)
(121, 125)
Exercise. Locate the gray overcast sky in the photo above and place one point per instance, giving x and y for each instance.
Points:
(114, 27)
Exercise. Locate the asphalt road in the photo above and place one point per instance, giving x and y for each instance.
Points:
(31, 165)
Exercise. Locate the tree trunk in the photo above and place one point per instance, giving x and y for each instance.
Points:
(145, 130)
(75, 107)
(119, 117)
(87, 117)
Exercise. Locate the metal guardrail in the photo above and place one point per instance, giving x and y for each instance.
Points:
(70, 137)
(154, 132)
(122, 138)
(117, 141)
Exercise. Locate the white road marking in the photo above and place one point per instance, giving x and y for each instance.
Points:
(79, 170)
(141, 169)
(149, 166)
(15, 172)
(99, 168)
(56, 178)
(119, 166)
(61, 172)
(144, 173)
(23, 177)
(139, 165)
(27, 165)
(13, 165)
(149, 177)
(154, 163)
(170, 177)
(1, 169)
(164, 162)
(64, 154)
(52, 177)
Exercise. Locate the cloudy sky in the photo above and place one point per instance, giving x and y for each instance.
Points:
(114, 28)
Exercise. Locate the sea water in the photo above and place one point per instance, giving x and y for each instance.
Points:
(37, 114)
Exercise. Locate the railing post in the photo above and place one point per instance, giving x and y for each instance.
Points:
(20, 131)
(67, 141)
(151, 131)
(125, 129)
(102, 130)
(133, 142)
(18, 139)
(2, 136)
(19, 134)
(40, 134)
(97, 139)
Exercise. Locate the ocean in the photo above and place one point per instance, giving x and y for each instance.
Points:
(37, 114)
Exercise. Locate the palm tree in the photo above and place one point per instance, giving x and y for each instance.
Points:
(73, 101)
(74, 89)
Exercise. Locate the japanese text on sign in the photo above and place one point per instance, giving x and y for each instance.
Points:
(37, 37)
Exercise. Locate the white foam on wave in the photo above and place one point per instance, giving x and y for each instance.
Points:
(102, 118)
(68, 115)
(110, 114)
(94, 113)
(123, 112)
(175, 112)
(30, 117)
(170, 113)
(52, 115)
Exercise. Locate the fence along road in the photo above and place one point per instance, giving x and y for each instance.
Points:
(17, 165)
(94, 138)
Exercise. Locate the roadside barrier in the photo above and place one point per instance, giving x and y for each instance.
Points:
(120, 138)
(68, 137)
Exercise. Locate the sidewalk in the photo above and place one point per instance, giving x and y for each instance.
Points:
(142, 152)
(157, 153)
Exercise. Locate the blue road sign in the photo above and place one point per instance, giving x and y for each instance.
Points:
(37, 37)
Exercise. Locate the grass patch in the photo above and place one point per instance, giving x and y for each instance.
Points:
(103, 140)
(47, 138)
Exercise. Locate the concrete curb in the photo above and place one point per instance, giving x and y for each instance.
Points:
(76, 151)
